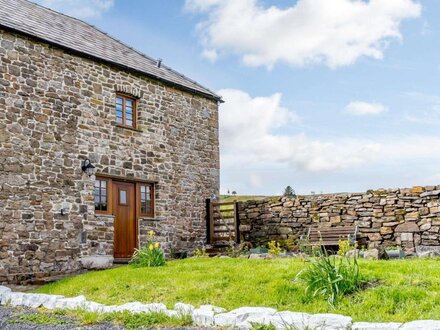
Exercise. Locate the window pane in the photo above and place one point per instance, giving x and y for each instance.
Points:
(104, 207)
(128, 103)
(118, 100)
(129, 116)
(142, 189)
(97, 183)
(129, 123)
(97, 207)
(96, 199)
(118, 107)
(103, 184)
(119, 120)
(122, 197)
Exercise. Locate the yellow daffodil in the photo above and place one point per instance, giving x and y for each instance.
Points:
(156, 245)
(151, 247)
(151, 233)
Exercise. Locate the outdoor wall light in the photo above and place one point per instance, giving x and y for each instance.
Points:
(87, 167)
(65, 208)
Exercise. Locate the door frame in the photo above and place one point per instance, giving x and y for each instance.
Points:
(136, 223)
(116, 178)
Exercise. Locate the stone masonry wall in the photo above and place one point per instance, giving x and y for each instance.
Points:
(409, 218)
(56, 109)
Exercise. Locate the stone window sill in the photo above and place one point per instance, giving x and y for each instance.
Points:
(129, 128)
(150, 219)
(101, 215)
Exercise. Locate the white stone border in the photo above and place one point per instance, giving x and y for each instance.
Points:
(212, 316)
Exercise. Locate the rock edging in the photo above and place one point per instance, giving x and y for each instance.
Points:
(212, 316)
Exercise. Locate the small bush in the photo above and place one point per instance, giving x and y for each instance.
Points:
(331, 277)
(274, 248)
(200, 253)
(150, 255)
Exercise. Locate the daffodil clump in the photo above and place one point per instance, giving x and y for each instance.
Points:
(151, 255)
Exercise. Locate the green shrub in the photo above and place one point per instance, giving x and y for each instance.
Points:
(274, 248)
(150, 255)
(331, 277)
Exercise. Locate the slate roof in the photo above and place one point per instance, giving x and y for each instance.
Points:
(58, 29)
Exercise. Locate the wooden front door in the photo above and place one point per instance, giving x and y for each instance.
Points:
(125, 219)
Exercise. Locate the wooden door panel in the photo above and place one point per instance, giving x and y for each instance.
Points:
(125, 219)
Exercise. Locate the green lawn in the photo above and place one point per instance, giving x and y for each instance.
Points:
(407, 289)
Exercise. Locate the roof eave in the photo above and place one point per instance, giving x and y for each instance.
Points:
(212, 96)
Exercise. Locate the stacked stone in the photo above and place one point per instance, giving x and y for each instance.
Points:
(56, 109)
(407, 218)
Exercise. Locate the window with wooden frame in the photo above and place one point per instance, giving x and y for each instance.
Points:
(145, 199)
(125, 111)
(102, 195)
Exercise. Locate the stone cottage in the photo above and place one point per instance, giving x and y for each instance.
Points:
(98, 145)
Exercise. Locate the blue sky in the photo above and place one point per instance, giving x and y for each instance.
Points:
(322, 95)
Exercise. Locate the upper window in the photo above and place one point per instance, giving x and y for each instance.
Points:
(125, 111)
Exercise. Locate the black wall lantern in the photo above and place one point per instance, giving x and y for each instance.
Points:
(87, 167)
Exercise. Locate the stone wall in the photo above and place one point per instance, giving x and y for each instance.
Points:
(395, 217)
(56, 109)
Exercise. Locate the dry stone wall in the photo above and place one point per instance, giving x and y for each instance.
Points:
(56, 109)
(409, 218)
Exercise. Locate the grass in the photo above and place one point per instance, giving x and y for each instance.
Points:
(39, 318)
(243, 198)
(407, 289)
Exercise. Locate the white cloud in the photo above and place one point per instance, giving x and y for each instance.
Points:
(360, 108)
(79, 8)
(255, 181)
(210, 54)
(247, 138)
(335, 32)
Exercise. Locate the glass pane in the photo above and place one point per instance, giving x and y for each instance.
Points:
(119, 120)
(97, 183)
(96, 199)
(142, 189)
(118, 107)
(128, 103)
(118, 100)
(122, 197)
(129, 123)
(104, 207)
(143, 196)
(97, 190)
(104, 199)
(103, 184)
(129, 116)
(97, 207)
(103, 192)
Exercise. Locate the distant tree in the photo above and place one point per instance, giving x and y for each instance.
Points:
(229, 192)
(234, 193)
(289, 192)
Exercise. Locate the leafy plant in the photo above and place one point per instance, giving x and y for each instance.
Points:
(150, 255)
(274, 248)
(345, 246)
(331, 277)
(289, 244)
(200, 252)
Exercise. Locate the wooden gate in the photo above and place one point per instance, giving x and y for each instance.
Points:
(222, 223)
